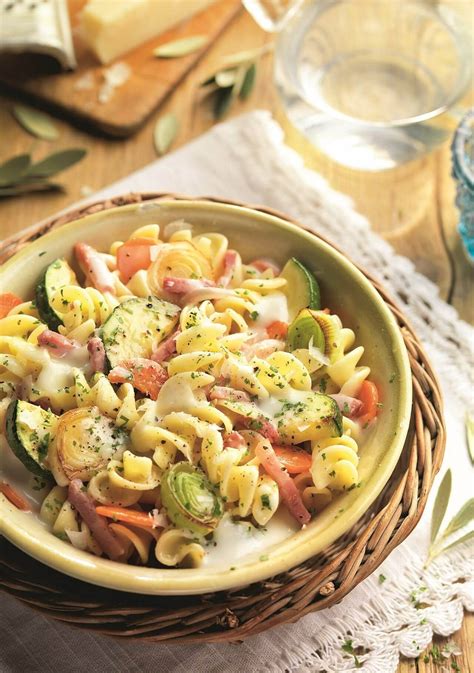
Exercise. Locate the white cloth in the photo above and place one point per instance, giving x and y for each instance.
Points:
(246, 159)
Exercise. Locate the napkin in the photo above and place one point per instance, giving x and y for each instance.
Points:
(246, 159)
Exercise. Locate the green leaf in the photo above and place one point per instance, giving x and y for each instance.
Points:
(14, 169)
(457, 542)
(178, 48)
(35, 122)
(222, 102)
(440, 505)
(165, 132)
(470, 435)
(26, 188)
(56, 162)
(248, 83)
(247, 56)
(226, 78)
(461, 519)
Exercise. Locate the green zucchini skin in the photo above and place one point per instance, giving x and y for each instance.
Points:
(56, 275)
(302, 289)
(135, 327)
(30, 451)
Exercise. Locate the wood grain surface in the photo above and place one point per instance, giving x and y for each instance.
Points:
(150, 81)
(411, 206)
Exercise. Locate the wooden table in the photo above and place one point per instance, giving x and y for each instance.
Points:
(412, 206)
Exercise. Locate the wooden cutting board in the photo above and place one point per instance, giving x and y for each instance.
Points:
(37, 79)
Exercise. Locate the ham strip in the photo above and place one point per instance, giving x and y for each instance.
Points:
(288, 491)
(184, 285)
(230, 261)
(84, 504)
(263, 425)
(145, 375)
(350, 406)
(57, 344)
(226, 393)
(96, 354)
(264, 265)
(234, 440)
(95, 268)
(166, 348)
(263, 348)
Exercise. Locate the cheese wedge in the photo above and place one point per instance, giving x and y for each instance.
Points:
(111, 28)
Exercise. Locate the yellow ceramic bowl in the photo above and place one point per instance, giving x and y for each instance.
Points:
(343, 288)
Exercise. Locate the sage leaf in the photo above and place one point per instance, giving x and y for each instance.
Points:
(460, 540)
(226, 78)
(14, 169)
(470, 435)
(56, 162)
(461, 519)
(183, 47)
(165, 132)
(222, 102)
(248, 83)
(440, 505)
(247, 56)
(35, 122)
(25, 188)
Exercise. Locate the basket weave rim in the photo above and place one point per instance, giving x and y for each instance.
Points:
(314, 585)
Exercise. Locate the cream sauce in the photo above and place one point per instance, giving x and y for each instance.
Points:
(234, 542)
(271, 308)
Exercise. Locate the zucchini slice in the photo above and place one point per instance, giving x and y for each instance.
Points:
(136, 327)
(30, 430)
(297, 421)
(302, 289)
(57, 275)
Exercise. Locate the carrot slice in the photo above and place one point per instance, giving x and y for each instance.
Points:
(277, 330)
(294, 460)
(14, 497)
(369, 396)
(8, 300)
(130, 516)
(133, 256)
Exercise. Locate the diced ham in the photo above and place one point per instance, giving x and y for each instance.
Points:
(95, 268)
(263, 425)
(230, 261)
(226, 393)
(79, 498)
(96, 354)
(263, 348)
(57, 344)
(145, 375)
(184, 285)
(166, 348)
(234, 440)
(288, 491)
(350, 406)
(264, 265)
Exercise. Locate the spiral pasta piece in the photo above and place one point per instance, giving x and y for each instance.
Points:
(334, 463)
(176, 547)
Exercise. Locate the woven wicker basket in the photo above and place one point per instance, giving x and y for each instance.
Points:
(233, 615)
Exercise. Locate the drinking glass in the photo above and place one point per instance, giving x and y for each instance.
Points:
(371, 82)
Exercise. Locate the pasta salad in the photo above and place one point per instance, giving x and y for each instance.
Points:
(169, 390)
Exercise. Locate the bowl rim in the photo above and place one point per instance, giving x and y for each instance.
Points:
(109, 574)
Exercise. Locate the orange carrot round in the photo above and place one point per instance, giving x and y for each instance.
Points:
(294, 460)
(277, 330)
(369, 396)
(8, 300)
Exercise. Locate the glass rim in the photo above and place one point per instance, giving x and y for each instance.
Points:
(460, 41)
